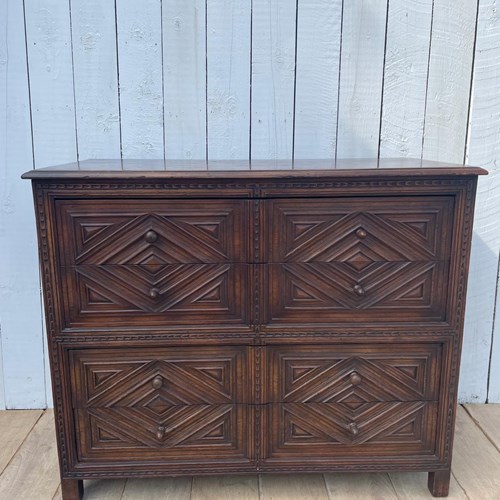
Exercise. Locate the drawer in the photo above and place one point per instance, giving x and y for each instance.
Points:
(151, 232)
(153, 379)
(334, 292)
(334, 433)
(188, 435)
(354, 374)
(360, 230)
(181, 294)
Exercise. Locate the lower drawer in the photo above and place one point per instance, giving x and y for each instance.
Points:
(198, 434)
(323, 433)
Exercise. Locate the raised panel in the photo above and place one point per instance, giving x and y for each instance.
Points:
(365, 229)
(155, 379)
(151, 232)
(328, 292)
(354, 374)
(182, 294)
(322, 433)
(193, 435)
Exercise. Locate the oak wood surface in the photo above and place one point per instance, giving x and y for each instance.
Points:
(33, 471)
(19, 423)
(244, 169)
(237, 273)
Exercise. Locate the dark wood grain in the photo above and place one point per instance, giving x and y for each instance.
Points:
(242, 319)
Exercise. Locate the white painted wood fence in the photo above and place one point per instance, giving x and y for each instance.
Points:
(243, 79)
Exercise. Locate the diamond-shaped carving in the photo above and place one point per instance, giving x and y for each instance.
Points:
(359, 261)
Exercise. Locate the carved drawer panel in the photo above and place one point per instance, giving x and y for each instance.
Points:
(151, 232)
(155, 379)
(354, 374)
(323, 433)
(181, 294)
(327, 292)
(197, 434)
(360, 230)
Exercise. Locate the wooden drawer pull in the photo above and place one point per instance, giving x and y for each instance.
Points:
(160, 433)
(151, 236)
(157, 382)
(353, 428)
(154, 293)
(361, 233)
(359, 290)
(355, 378)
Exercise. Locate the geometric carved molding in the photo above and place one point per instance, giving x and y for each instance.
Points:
(314, 374)
(158, 379)
(184, 232)
(326, 425)
(339, 230)
(325, 291)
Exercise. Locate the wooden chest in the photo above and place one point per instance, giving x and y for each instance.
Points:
(228, 318)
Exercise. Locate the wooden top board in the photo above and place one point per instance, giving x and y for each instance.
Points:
(243, 169)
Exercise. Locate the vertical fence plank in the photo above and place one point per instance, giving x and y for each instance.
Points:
(361, 78)
(484, 150)
(273, 78)
(494, 381)
(20, 317)
(51, 81)
(228, 78)
(3, 147)
(141, 78)
(319, 29)
(96, 82)
(450, 68)
(184, 74)
(405, 80)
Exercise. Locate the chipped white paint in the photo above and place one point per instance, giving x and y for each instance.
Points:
(484, 150)
(318, 64)
(361, 78)
(184, 75)
(141, 78)
(450, 68)
(273, 75)
(228, 78)
(143, 82)
(20, 321)
(405, 77)
(95, 78)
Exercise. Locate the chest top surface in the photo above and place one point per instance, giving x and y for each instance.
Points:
(256, 169)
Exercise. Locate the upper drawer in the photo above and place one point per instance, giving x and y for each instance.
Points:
(151, 232)
(360, 230)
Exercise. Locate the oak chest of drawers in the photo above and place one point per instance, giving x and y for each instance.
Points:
(227, 318)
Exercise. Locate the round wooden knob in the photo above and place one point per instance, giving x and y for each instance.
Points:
(353, 428)
(361, 233)
(157, 382)
(355, 378)
(160, 432)
(154, 293)
(151, 236)
(359, 290)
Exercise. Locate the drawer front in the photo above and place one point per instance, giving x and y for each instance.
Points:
(360, 230)
(152, 379)
(192, 435)
(151, 232)
(323, 433)
(354, 374)
(326, 292)
(182, 294)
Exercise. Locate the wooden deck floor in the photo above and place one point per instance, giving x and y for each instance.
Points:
(29, 470)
